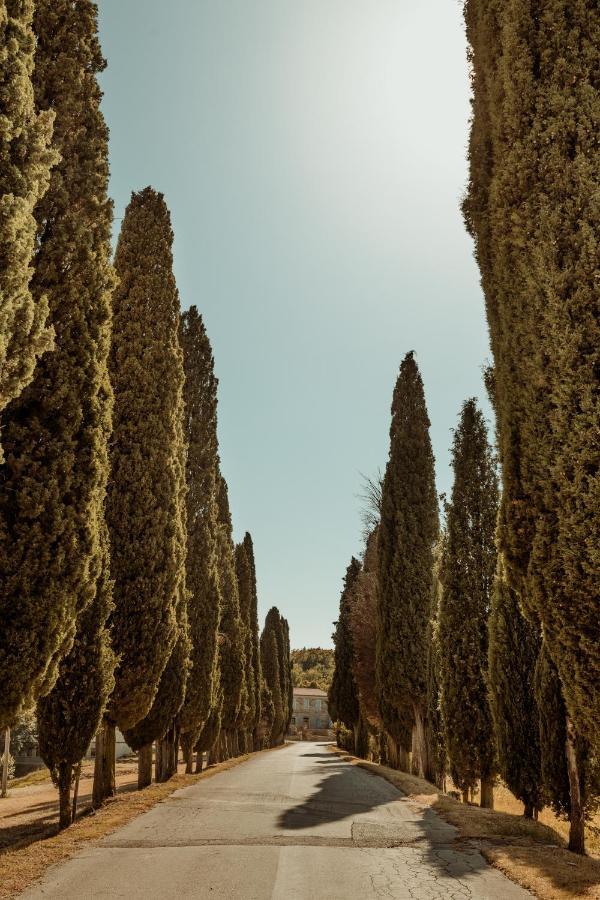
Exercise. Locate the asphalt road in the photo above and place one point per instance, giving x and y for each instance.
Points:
(293, 824)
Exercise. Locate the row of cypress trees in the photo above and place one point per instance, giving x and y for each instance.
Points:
(438, 669)
(124, 602)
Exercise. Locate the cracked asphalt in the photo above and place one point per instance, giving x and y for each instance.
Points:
(294, 824)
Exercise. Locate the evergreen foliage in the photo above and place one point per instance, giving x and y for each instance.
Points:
(231, 652)
(343, 694)
(25, 162)
(435, 725)
(513, 650)
(254, 630)
(312, 667)
(200, 396)
(407, 533)
(69, 716)
(270, 663)
(532, 210)
(146, 502)
(363, 630)
(275, 624)
(244, 576)
(467, 575)
(289, 685)
(55, 433)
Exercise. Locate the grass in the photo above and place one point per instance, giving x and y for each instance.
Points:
(533, 854)
(25, 862)
(38, 776)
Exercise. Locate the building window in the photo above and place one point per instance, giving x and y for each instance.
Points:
(293, 720)
(306, 703)
(318, 705)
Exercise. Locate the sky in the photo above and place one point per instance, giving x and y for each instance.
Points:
(313, 156)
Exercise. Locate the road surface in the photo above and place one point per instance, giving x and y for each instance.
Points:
(294, 824)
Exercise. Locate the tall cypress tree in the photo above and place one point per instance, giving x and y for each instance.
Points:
(513, 650)
(69, 716)
(25, 163)
(343, 693)
(363, 627)
(231, 652)
(200, 395)
(467, 577)
(256, 665)
(276, 624)
(435, 725)
(245, 592)
(270, 660)
(146, 503)
(55, 433)
(408, 530)
(532, 211)
(289, 684)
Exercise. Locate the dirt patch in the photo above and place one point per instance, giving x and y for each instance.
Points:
(532, 854)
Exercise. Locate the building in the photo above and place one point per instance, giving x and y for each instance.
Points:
(309, 710)
(29, 759)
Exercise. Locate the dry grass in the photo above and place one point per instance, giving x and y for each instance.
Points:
(25, 862)
(533, 854)
(38, 776)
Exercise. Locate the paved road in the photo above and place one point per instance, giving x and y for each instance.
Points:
(294, 824)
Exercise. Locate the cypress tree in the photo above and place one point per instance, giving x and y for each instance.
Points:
(277, 625)
(200, 395)
(435, 724)
(146, 500)
(231, 651)
(270, 660)
(25, 163)
(289, 683)
(245, 592)
(69, 716)
(55, 433)
(408, 530)
(571, 785)
(256, 665)
(467, 576)
(343, 693)
(513, 650)
(363, 628)
(532, 204)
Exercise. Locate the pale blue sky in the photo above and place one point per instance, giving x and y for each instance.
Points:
(312, 153)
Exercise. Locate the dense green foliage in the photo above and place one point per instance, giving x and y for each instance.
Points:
(532, 210)
(407, 533)
(200, 397)
(343, 694)
(270, 664)
(255, 687)
(146, 502)
(467, 575)
(55, 433)
(25, 162)
(232, 660)
(245, 593)
(69, 716)
(312, 667)
(513, 651)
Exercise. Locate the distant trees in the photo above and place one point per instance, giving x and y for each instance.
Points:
(26, 158)
(275, 657)
(55, 432)
(467, 575)
(407, 534)
(312, 667)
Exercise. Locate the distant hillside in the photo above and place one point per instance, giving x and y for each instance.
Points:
(312, 667)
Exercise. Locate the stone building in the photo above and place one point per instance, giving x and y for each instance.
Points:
(310, 710)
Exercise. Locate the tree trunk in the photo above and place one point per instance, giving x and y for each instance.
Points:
(104, 764)
(576, 817)
(487, 792)
(144, 766)
(465, 795)
(5, 761)
(76, 790)
(65, 811)
(528, 811)
(187, 747)
(403, 759)
(199, 761)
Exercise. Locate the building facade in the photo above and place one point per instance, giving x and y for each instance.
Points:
(309, 710)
